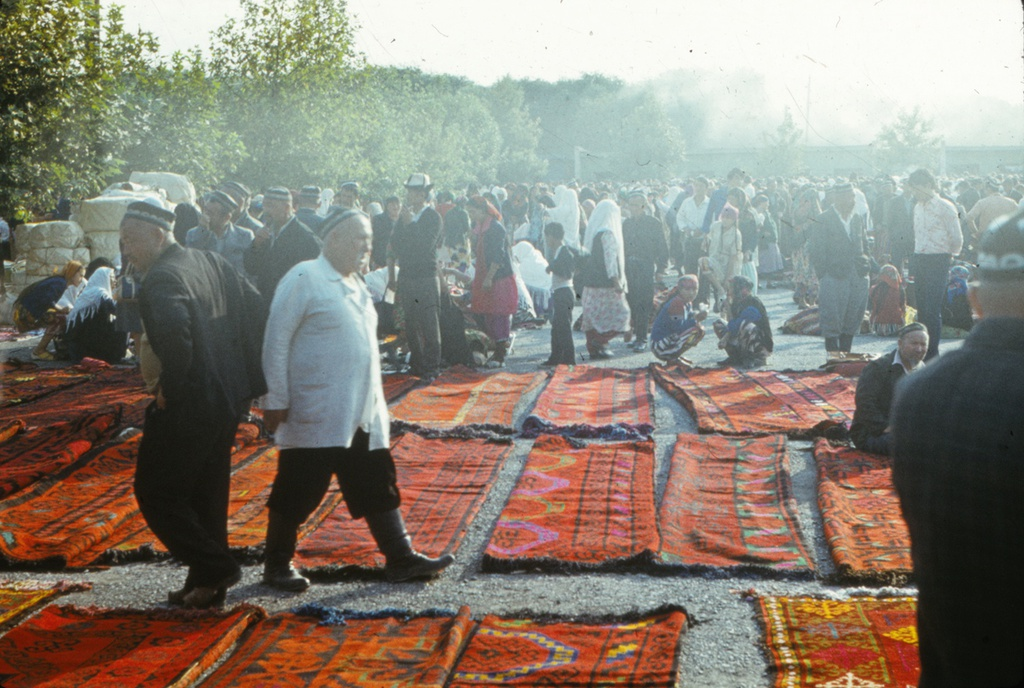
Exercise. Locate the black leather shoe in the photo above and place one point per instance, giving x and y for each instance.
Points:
(202, 597)
(283, 576)
(416, 565)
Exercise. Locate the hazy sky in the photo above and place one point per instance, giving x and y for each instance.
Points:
(861, 57)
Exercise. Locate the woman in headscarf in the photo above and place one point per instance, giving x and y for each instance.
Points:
(725, 253)
(805, 281)
(677, 327)
(747, 222)
(605, 309)
(494, 295)
(956, 311)
(888, 302)
(91, 331)
(747, 336)
(567, 213)
(46, 303)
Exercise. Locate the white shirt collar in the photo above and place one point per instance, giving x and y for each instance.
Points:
(897, 360)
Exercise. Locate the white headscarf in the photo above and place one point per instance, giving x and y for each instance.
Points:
(567, 213)
(97, 290)
(607, 217)
(532, 265)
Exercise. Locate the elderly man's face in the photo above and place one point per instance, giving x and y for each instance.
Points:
(636, 206)
(844, 202)
(913, 346)
(217, 215)
(347, 247)
(141, 243)
(348, 197)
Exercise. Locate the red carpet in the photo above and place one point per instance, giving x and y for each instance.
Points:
(25, 383)
(74, 646)
(642, 651)
(10, 428)
(729, 503)
(106, 387)
(589, 507)
(397, 384)
(443, 484)
(861, 513)
(585, 401)
(760, 402)
(20, 597)
(292, 650)
(854, 643)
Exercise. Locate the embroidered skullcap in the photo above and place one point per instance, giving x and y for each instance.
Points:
(337, 216)
(1001, 249)
(912, 327)
(236, 188)
(844, 187)
(223, 199)
(310, 193)
(350, 186)
(419, 180)
(638, 193)
(151, 211)
(277, 193)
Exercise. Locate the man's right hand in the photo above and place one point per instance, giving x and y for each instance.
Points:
(273, 418)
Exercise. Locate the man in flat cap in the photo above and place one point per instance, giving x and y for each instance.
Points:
(204, 323)
(216, 232)
(958, 441)
(838, 252)
(242, 196)
(307, 202)
(282, 243)
(414, 245)
(348, 195)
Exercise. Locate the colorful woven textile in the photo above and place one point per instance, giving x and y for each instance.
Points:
(10, 428)
(861, 513)
(760, 402)
(584, 401)
(443, 484)
(729, 503)
(293, 650)
(587, 507)
(861, 642)
(20, 597)
(74, 646)
(397, 384)
(43, 451)
(631, 652)
(462, 397)
(106, 387)
(24, 384)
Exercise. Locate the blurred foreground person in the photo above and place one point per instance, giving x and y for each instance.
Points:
(203, 321)
(958, 440)
(326, 406)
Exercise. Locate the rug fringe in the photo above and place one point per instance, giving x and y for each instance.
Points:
(534, 426)
(165, 614)
(333, 616)
(597, 619)
(643, 562)
(500, 434)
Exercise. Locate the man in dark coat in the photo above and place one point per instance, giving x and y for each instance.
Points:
(307, 203)
(958, 447)
(838, 252)
(282, 243)
(646, 249)
(204, 322)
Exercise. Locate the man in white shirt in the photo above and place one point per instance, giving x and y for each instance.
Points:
(690, 219)
(326, 405)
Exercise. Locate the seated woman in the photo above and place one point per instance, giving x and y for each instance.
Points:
(888, 302)
(956, 310)
(677, 327)
(91, 329)
(747, 337)
(46, 303)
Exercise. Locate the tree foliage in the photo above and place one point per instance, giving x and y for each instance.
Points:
(907, 142)
(782, 152)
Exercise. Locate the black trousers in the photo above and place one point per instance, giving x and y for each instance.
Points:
(367, 479)
(562, 349)
(182, 483)
(421, 301)
(931, 275)
(640, 280)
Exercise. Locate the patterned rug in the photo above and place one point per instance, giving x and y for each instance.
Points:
(9, 428)
(443, 484)
(20, 597)
(45, 450)
(860, 642)
(584, 401)
(465, 399)
(397, 384)
(589, 507)
(641, 651)
(729, 503)
(293, 650)
(106, 387)
(24, 384)
(861, 513)
(75, 646)
(760, 402)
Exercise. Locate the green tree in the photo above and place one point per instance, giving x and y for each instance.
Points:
(520, 133)
(908, 142)
(782, 153)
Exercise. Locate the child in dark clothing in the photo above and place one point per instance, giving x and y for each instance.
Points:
(561, 265)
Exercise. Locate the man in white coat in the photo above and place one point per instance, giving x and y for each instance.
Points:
(326, 406)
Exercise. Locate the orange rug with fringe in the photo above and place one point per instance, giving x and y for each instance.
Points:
(443, 483)
(17, 598)
(860, 642)
(636, 650)
(861, 514)
(26, 383)
(579, 507)
(76, 646)
(293, 649)
(729, 504)
(761, 402)
(104, 387)
(397, 384)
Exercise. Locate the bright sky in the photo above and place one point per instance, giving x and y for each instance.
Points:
(946, 55)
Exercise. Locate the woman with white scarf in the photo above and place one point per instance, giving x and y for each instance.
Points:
(605, 310)
(91, 332)
(567, 213)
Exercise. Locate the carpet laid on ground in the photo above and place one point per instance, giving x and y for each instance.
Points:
(9, 428)
(443, 483)
(465, 401)
(587, 507)
(397, 384)
(860, 642)
(17, 598)
(105, 387)
(24, 383)
(584, 401)
(640, 651)
(729, 504)
(45, 450)
(761, 402)
(861, 514)
(74, 646)
(294, 649)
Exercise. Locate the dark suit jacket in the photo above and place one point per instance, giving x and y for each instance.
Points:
(875, 389)
(835, 253)
(268, 263)
(415, 245)
(205, 324)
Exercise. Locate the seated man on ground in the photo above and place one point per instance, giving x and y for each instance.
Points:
(677, 327)
(870, 427)
(747, 337)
